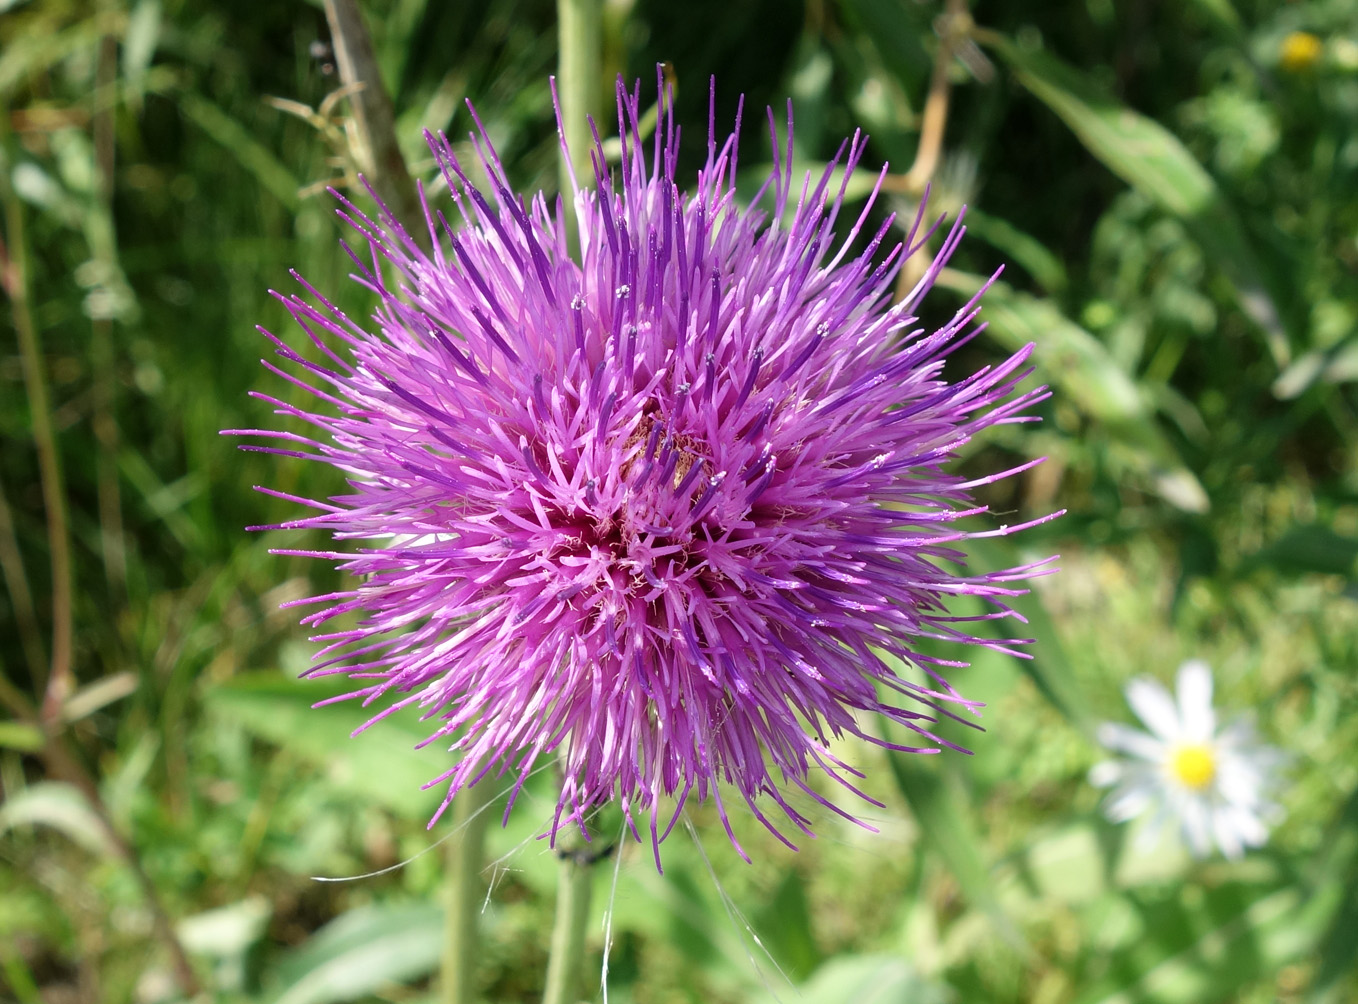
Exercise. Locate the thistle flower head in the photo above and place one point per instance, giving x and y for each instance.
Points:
(671, 512)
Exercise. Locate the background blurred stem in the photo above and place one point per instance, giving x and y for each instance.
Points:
(20, 595)
(465, 858)
(954, 25)
(580, 42)
(373, 143)
(58, 684)
(567, 953)
(102, 357)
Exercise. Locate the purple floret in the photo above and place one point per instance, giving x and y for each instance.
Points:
(672, 517)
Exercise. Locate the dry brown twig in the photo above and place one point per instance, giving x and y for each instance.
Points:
(954, 27)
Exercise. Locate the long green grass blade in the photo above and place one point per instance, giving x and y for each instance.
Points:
(1152, 160)
(1086, 373)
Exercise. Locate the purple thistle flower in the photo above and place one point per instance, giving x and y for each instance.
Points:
(669, 515)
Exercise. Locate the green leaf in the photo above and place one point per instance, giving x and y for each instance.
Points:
(60, 806)
(228, 930)
(139, 43)
(253, 155)
(1086, 373)
(867, 979)
(381, 764)
(1337, 867)
(362, 951)
(948, 830)
(1271, 931)
(21, 736)
(1310, 548)
(1152, 160)
(41, 49)
(1049, 668)
(1022, 249)
(1335, 365)
(784, 923)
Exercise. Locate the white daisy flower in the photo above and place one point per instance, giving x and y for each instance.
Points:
(1215, 783)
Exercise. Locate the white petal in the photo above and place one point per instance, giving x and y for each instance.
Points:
(1228, 839)
(1106, 774)
(1128, 802)
(1126, 739)
(1238, 783)
(1193, 818)
(1195, 701)
(1253, 832)
(1155, 707)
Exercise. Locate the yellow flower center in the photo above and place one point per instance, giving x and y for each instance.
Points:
(1300, 51)
(1193, 765)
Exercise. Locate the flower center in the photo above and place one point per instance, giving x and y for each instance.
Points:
(1193, 765)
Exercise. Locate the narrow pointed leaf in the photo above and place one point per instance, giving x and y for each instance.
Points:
(1152, 160)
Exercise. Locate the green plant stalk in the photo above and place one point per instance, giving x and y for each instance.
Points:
(59, 677)
(580, 58)
(102, 355)
(465, 859)
(567, 953)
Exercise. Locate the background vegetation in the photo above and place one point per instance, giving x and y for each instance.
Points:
(1174, 189)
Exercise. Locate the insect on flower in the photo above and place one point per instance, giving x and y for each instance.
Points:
(669, 513)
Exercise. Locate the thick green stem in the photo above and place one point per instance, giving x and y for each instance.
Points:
(464, 891)
(580, 41)
(564, 965)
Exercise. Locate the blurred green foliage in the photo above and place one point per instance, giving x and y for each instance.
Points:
(1174, 188)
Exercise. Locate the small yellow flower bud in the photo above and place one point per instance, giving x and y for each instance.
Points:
(1300, 52)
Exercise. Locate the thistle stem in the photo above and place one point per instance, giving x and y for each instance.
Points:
(375, 148)
(580, 42)
(567, 953)
(465, 859)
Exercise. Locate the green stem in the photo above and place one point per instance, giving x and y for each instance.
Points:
(59, 683)
(464, 891)
(580, 41)
(564, 964)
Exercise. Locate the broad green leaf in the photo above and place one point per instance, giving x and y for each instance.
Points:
(1152, 160)
(1310, 548)
(362, 951)
(785, 925)
(1049, 668)
(1337, 867)
(60, 806)
(1273, 930)
(253, 155)
(1067, 866)
(1077, 362)
(949, 831)
(1222, 12)
(865, 979)
(381, 764)
(228, 930)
